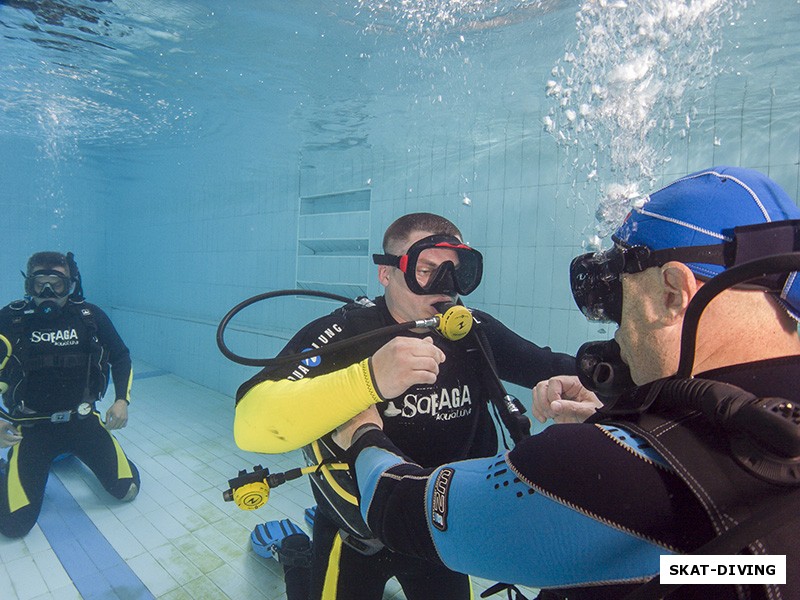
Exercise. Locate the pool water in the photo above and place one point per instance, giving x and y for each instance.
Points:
(194, 153)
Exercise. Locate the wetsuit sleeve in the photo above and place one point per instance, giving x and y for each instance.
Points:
(478, 517)
(519, 360)
(119, 357)
(283, 415)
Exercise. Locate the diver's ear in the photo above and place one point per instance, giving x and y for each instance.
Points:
(678, 288)
(383, 275)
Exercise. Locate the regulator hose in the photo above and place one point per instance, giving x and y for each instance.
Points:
(763, 433)
(770, 422)
(453, 322)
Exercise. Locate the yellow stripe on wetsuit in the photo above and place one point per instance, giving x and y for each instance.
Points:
(17, 498)
(326, 473)
(128, 389)
(330, 588)
(280, 416)
(123, 466)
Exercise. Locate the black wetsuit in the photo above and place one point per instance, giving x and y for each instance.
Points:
(58, 363)
(446, 421)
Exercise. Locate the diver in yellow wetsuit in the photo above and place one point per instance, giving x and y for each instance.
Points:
(434, 412)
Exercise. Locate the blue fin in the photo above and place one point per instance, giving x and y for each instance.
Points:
(310, 515)
(267, 537)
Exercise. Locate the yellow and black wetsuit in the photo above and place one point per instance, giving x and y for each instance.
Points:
(59, 362)
(284, 408)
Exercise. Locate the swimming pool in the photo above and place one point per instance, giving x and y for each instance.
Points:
(192, 154)
(169, 144)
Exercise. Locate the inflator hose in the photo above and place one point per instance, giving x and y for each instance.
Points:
(770, 422)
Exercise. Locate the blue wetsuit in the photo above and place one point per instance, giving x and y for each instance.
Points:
(585, 508)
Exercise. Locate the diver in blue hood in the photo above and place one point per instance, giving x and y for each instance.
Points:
(695, 448)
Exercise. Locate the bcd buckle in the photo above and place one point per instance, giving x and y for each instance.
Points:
(61, 417)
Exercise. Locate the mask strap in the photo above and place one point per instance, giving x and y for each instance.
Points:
(779, 263)
(389, 260)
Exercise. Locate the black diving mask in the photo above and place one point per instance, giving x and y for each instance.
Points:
(595, 277)
(426, 273)
(48, 284)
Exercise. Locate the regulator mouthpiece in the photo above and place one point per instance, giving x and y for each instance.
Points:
(249, 490)
(602, 370)
(454, 321)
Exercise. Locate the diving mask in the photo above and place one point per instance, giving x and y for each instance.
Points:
(426, 273)
(47, 283)
(595, 277)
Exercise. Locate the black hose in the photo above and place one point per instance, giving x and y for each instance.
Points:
(770, 422)
(292, 358)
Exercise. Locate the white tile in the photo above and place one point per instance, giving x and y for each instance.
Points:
(236, 586)
(166, 524)
(200, 555)
(204, 588)
(152, 574)
(120, 538)
(51, 570)
(27, 581)
(181, 569)
(5, 579)
(177, 594)
(68, 592)
(35, 541)
(145, 532)
(11, 549)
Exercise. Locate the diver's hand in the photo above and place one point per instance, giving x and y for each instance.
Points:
(9, 434)
(403, 362)
(117, 415)
(563, 399)
(343, 435)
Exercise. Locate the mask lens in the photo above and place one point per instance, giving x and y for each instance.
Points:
(596, 285)
(58, 285)
(469, 271)
(429, 263)
(445, 269)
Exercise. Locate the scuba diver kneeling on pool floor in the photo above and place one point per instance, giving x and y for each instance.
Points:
(60, 353)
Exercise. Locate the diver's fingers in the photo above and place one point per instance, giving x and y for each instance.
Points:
(567, 411)
(403, 362)
(538, 404)
(544, 394)
(9, 434)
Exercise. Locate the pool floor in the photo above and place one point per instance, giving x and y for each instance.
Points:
(178, 540)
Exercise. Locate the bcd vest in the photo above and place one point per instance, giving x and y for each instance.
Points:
(729, 493)
(85, 366)
(337, 487)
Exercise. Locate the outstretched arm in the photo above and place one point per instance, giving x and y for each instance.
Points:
(283, 415)
(479, 517)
